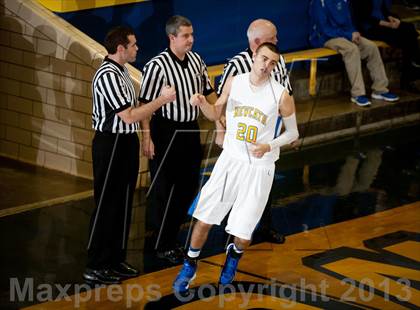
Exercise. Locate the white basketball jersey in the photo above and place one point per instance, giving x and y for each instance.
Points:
(252, 117)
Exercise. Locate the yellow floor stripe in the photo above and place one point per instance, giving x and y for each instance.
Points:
(45, 203)
(62, 6)
(283, 263)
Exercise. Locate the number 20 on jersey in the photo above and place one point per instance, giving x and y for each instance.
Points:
(247, 133)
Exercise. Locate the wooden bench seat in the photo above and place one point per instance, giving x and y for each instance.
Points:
(311, 55)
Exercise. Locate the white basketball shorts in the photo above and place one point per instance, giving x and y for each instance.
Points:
(240, 187)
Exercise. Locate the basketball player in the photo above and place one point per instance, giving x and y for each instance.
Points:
(243, 175)
(259, 31)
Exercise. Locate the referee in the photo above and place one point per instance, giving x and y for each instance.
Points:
(171, 139)
(115, 157)
(259, 31)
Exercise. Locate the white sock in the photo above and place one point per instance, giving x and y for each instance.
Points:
(193, 253)
(237, 250)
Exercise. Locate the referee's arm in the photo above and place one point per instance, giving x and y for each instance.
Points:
(150, 85)
(284, 78)
(142, 112)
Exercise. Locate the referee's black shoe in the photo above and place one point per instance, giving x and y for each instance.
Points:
(101, 276)
(270, 235)
(125, 270)
(175, 256)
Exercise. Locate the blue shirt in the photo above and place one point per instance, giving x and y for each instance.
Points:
(329, 19)
(378, 8)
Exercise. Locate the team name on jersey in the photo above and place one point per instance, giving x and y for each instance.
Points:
(252, 112)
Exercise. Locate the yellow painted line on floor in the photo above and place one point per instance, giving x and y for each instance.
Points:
(62, 6)
(412, 19)
(45, 203)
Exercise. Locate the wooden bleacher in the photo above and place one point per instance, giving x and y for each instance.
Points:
(311, 55)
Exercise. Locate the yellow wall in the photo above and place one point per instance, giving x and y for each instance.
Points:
(76, 5)
(46, 70)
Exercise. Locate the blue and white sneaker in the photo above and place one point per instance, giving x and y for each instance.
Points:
(361, 101)
(231, 264)
(386, 96)
(184, 277)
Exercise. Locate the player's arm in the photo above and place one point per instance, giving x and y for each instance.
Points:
(212, 111)
(287, 111)
(290, 134)
(229, 71)
(212, 98)
(220, 124)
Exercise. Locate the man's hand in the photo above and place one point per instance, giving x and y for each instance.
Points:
(222, 121)
(220, 137)
(168, 93)
(355, 37)
(258, 150)
(395, 22)
(295, 144)
(197, 100)
(220, 131)
(385, 23)
(148, 146)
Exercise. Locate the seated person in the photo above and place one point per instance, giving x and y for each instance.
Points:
(374, 19)
(332, 27)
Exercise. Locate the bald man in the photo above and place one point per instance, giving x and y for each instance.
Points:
(259, 31)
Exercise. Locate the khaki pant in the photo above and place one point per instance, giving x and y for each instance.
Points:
(352, 56)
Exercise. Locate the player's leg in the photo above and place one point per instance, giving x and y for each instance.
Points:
(189, 268)
(213, 205)
(234, 253)
(256, 182)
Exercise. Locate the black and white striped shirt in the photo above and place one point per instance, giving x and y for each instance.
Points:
(112, 91)
(242, 63)
(188, 76)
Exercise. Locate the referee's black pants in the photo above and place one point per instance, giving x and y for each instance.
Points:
(114, 181)
(175, 172)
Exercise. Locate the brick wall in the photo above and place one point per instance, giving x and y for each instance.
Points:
(46, 68)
